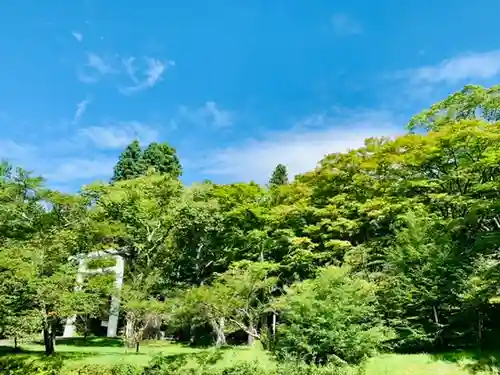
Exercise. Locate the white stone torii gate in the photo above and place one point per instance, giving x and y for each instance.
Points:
(117, 269)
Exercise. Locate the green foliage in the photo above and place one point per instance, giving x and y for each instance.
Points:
(101, 263)
(205, 366)
(20, 366)
(130, 164)
(411, 224)
(236, 300)
(37, 280)
(472, 102)
(246, 289)
(279, 176)
(157, 157)
(136, 216)
(144, 314)
(334, 317)
(163, 159)
(91, 369)
(424, 275)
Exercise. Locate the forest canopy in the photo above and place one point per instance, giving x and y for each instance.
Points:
(391, 246)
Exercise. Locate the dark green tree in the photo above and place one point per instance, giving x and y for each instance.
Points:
(163, 159)
(130, 164)
(279, 176)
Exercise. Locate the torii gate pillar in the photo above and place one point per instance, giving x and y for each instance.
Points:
(117, 269)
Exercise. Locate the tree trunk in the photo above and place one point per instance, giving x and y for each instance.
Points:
(86, 332)
(129, 332)
(218, 327)
(274, 325)
(15, 342)
(192, 337)
(439, 337)
(252, 333)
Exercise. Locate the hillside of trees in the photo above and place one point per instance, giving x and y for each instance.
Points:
(390, 247)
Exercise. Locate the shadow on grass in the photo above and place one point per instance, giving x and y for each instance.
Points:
(473, 361)
(90, 342)
(26, 354)
(187, 345)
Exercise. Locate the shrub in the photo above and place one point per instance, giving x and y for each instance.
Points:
(20, 366)
(333, 317)
(178, 366)
(94, 369)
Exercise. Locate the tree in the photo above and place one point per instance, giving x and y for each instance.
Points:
(236, 300)
(247, 288)
(279, 176)
(130, 163)
(143, 312)
(136, 216)
(424, 277)
(91, 299)
(163, 159)
(48, 282)
(196, 236)
(201, 305)
(159, 157)
(44, 229)
(473, 102)
(334, 315)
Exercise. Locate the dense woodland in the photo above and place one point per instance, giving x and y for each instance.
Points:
(390, 247)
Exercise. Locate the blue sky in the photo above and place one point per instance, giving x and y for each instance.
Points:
(235, 86)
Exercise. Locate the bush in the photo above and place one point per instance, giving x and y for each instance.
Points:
(300, 368)
(172, 365)
(186, 364)
(93, 369)
(20, 366)
(334, 317)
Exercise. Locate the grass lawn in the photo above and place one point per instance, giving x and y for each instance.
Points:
(76, 352)
(456, 363)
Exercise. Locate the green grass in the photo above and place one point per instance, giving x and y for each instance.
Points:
(77, 352)
(455, 363)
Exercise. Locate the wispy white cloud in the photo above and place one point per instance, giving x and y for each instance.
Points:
(77, 35)
(55, 169)
(301, 148)
(95, 68)
(98, 63)
(344, 24)
(471, 66)
(140, 73)
(209, 114)
(119, 134)
(131, 68)
(80, 109)
(220, 118)
(12, 150)
(69, 170)
(151, 74)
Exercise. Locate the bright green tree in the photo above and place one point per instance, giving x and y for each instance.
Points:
(333, 316)
(246, 289)
(236, 300)
(143, 312)
(130, 163)
(163, 159)
(279, 176)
